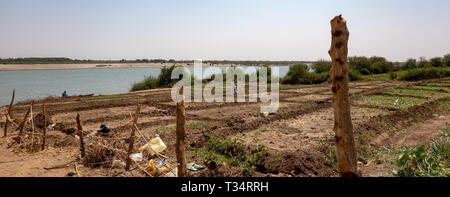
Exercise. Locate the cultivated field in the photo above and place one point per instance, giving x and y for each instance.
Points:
(235, 139)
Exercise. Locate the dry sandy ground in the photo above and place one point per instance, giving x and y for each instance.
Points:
(298, 135)
(52, 162)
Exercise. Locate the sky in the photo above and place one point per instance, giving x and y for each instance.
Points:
(221, 29)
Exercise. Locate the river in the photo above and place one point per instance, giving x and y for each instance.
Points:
(38, 84)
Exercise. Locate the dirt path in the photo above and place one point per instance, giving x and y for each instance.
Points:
(419, 134)
(16, 164)
(422, 133)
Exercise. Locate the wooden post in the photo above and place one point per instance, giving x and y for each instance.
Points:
(32, 128)
(44, 127)
(133, 131)
(6, 126)
(80, 134)
(22, 124)
(345, 145)
(180, 133)
(9, 113)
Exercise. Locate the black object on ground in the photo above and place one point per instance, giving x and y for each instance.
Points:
(104, 129)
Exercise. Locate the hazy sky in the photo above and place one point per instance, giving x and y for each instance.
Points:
(226, 29)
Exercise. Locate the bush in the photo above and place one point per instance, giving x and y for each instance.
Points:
(379, 65)
(431, 161)
(410, 64)
(316, 78)
(232, 152)
(359, 63)
(446, 60)
(423, 161)
(322, 66)
(423, 73)
(376, 69)
(375, 65)
(164, 78)
(422, 63)
(436, 62)
(354, 75)
(364, 71)
(297, 74)
(162, 81)
(392, 75)
(148, 83)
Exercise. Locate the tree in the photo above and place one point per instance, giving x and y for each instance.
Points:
(446, 60)
(164, 78)
(380, 65)
(376, 68)
(423, 63)
(296, 74)
(359, 63)
(375, 59)
(410, 64)
(322, 66)
(436, 62)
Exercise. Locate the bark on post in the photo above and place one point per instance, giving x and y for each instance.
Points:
(80, 134)
(32, 128)
(345, 145)
(181, 120)
(9, 113)
(133, 133)
(22, 124)
(44, 127)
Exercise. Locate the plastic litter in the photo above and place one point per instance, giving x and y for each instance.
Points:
(154, 145)
(194, 167)
(50, 127)
(159, 169)
(90, 136)
(87, 138)
(136, 157)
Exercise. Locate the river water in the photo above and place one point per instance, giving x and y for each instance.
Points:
(37, 84)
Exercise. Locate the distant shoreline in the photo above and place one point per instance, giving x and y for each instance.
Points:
(18, 67)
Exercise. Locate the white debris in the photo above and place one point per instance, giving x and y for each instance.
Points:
(136, 157)
(50, 127)
(87, 138)
(118, 164)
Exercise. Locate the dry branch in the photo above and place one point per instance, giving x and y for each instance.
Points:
(32, 128)
(9, 113)
(59, 166)
(44, 122)
(133, 131)
(11, 121)
(345, 145)
(22, 124)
